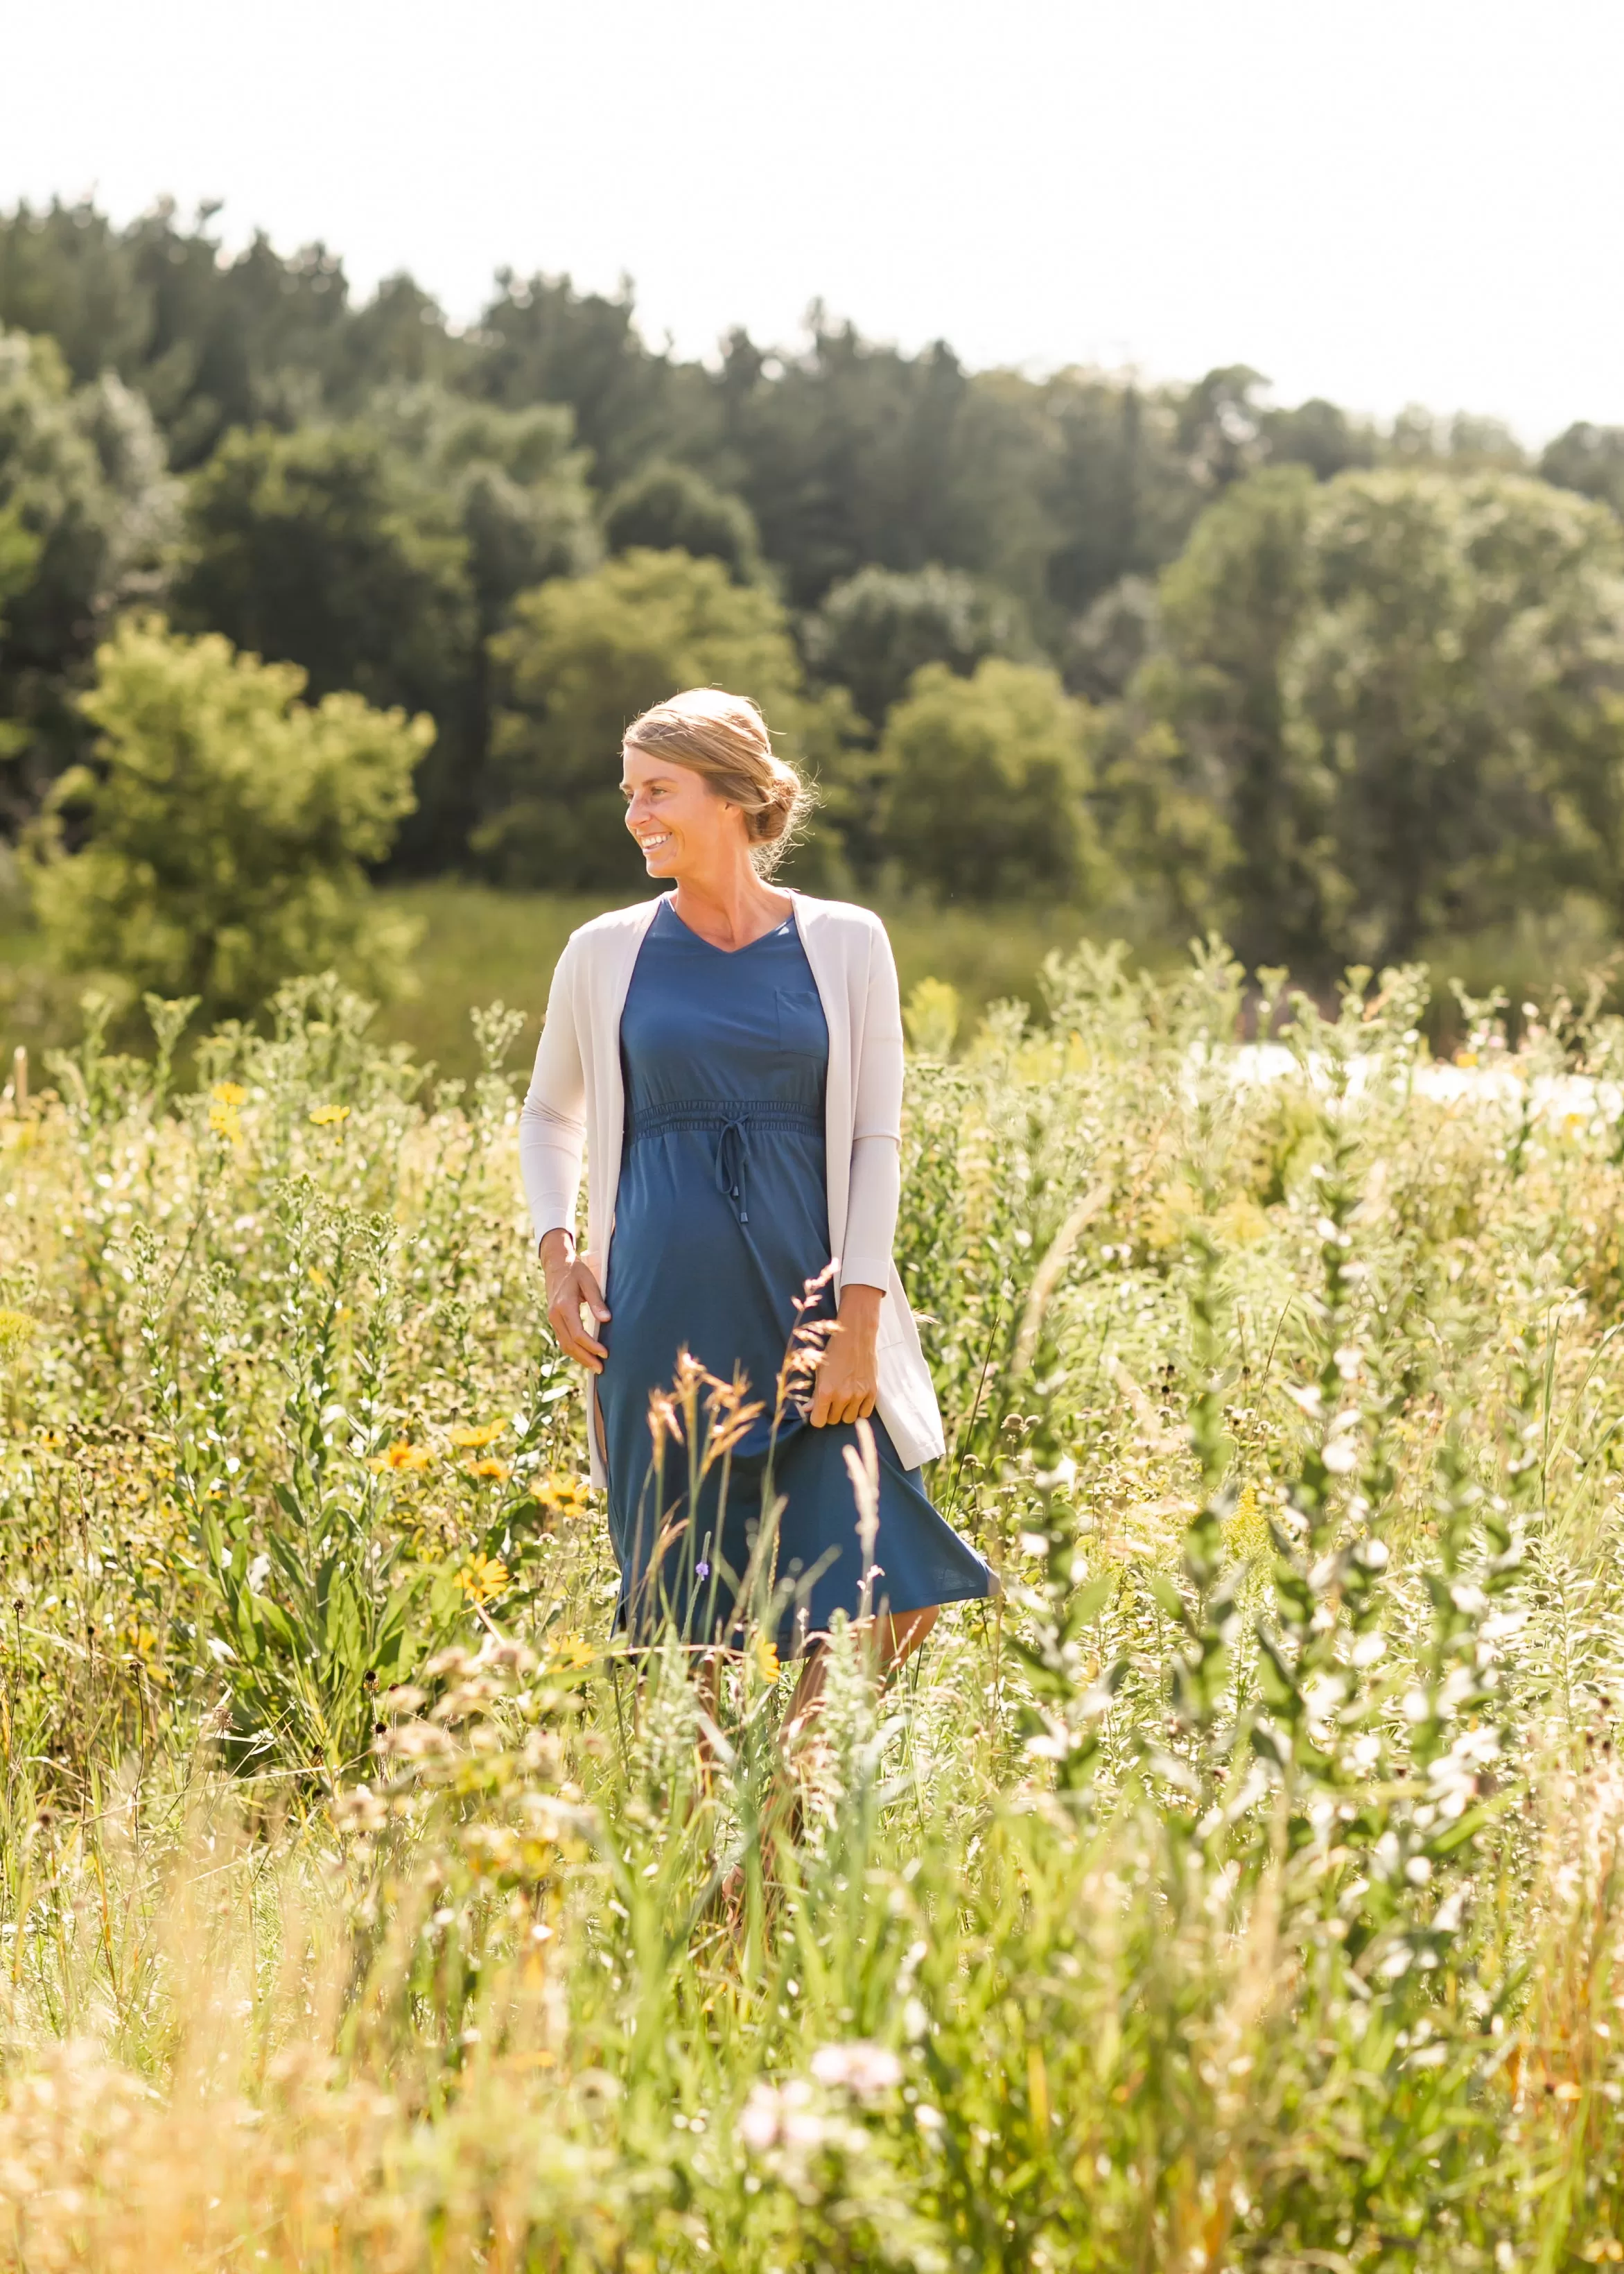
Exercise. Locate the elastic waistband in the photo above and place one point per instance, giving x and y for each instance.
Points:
(707, 1113)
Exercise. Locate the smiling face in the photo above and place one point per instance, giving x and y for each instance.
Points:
(682, 827)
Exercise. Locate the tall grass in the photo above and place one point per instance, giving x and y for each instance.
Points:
(1239, 1889)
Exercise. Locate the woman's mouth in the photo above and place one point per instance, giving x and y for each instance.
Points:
(647, 845)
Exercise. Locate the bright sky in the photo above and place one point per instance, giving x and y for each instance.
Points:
(1380, 201)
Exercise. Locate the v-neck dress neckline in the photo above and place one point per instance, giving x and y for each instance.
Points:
(668, 900)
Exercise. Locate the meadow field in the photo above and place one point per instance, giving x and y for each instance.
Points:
(1242, 1888)
(475, 944)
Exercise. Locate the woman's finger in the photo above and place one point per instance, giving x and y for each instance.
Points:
(591, 1293)
(565, 1319)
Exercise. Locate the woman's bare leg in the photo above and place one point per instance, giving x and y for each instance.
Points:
(893, 1639)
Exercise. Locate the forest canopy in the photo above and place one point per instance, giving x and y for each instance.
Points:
(1341, 687)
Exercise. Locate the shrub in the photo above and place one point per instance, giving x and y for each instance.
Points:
(985, 782)
(222, 833)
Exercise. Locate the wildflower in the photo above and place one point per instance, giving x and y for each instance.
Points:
(483, 1580)
(359, 1811)
(765, 1657)
(327, 1117)
(1246, 1535)
(226, 1122)
(861, 2068)
(783, 2114)
(230, 1093)
(574, 1652)
(472, 1439)
(499, 1470)
(1466, 1058)
(562, 1497)
(402, 1454)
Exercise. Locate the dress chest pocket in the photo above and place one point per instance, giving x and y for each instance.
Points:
(802, 1028)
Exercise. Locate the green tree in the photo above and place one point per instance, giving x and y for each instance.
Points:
(1402, 692)
(261, 338)
(87, 509)
(1588, 459)
(986, 780)
(1113, 482)
(582, 659)
(540, 341)
(1459, 688)
(318, 548)
(670, 508)
(851, 454)
(382, 556)
(1228, 608)
(515, 487)
(224, 827)
(878, 628)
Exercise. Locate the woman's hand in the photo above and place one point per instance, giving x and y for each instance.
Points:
(573, 1288)
(848, 1372)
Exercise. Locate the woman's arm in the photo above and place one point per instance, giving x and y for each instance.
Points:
(872, 1203)
(551, 1134)
(553, 1118)
(849, 1373)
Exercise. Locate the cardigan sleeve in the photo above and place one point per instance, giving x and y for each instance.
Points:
(877, 1103)
(876, 1126)
(553, 1118)
(871, 1212)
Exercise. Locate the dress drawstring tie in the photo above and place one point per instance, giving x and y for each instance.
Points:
(732, 1155)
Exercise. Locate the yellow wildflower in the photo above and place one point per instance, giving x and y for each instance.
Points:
(487, 1468)
(483, 1579)
(763, 1657)
(326, 1116)
(562, 1497)
(226, 1122)
(1246, 1533)
(469, 1441)
(574, 1652)
(228, 1093)
(403, 1455)
(1466, 1058)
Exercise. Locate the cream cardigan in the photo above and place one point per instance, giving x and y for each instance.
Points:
(576, 1098)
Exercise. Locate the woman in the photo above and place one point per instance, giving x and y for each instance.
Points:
(731, 1056)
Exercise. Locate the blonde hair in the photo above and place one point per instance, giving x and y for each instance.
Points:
(724, 738)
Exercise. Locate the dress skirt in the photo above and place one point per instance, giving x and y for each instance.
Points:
(721, 1230)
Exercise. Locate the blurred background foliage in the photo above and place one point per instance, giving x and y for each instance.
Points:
(1152, 658)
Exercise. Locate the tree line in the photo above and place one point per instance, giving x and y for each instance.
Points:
(1337, 686)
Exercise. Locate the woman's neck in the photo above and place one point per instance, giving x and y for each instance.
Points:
(729, 911)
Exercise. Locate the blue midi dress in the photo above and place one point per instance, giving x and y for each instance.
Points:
(721, 1218)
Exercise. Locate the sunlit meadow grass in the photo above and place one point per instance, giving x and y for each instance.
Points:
(1240, 1889)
